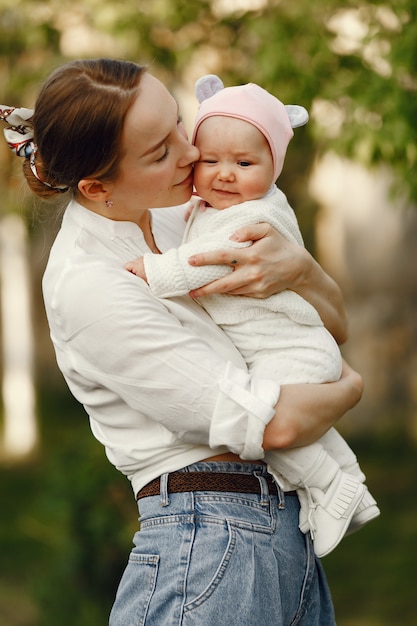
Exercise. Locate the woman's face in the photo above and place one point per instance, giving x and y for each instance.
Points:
(157, 167)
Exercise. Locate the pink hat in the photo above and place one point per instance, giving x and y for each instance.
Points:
(252, 104)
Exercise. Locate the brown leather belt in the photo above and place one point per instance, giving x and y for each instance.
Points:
(180, 482)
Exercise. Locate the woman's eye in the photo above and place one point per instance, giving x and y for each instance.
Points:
(164, 156)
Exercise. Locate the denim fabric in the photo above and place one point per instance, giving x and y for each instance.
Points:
(215, 559)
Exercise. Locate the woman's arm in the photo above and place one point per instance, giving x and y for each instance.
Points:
(305, 412)
(118, 346)
(271, 265)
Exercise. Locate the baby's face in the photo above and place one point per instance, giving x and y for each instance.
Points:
(235, 162)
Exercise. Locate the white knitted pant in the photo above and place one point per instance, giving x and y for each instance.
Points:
(278, 348)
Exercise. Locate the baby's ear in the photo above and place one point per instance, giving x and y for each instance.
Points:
(298, 115)
(207, 86)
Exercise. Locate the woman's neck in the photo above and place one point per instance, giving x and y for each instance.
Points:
(141, 218)
(146, 228)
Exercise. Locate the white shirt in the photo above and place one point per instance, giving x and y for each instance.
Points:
(161, 383)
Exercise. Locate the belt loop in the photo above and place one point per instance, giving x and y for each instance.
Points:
(281, 497)
(163, 489)
(263, 485)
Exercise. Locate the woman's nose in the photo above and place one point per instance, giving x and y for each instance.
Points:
(191, 154)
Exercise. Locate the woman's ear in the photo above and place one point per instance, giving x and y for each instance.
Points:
(94, 189)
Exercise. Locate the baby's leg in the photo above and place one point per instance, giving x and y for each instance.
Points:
(309, 466)
(328, 496)
(368, 509)
(338, 448)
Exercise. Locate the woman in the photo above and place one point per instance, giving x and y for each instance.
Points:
(165, 391)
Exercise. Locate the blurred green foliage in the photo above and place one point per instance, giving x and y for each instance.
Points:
(67, 515)
(372, 574)
(355, 61)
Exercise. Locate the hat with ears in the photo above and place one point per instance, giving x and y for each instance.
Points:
(252, 104)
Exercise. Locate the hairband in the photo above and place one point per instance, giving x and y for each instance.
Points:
(19, 137)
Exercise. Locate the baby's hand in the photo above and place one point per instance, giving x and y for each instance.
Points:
(137, 267)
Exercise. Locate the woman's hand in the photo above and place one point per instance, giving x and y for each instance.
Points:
(304, 412)
(271, 265)
(255, 267)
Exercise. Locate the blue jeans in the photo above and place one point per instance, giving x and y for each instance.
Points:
(222, 559)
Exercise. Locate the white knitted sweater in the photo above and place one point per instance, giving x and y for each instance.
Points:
(170, 274)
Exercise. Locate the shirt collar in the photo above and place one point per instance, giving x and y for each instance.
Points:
(98, 223)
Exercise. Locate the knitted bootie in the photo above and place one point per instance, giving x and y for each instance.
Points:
(330, 513)
(366, 511)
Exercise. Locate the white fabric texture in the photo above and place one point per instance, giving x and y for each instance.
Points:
(209, 229)
(162, 384)
(281, 337)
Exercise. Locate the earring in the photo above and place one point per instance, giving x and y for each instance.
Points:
(109, 204)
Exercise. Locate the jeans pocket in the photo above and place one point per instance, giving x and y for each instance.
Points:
(135, 591)
(212, 550)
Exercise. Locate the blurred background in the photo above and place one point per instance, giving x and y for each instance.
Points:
(67, 517)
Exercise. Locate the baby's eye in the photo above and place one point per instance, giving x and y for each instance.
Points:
(244, 163)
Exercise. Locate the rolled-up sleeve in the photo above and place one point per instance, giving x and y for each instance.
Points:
(255, 398)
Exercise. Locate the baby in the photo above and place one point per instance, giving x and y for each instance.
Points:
(242, 134)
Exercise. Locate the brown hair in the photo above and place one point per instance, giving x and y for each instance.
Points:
(78, 123)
